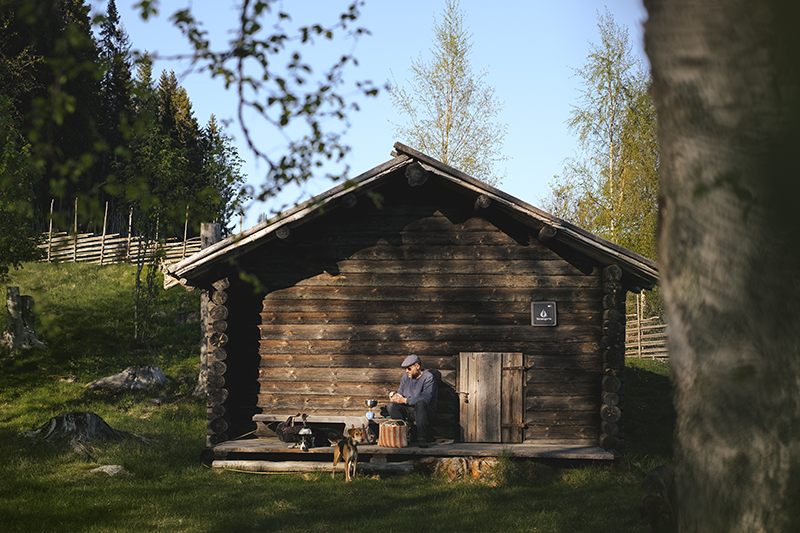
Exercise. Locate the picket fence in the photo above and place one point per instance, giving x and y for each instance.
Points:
(110, 249)
(646, 338)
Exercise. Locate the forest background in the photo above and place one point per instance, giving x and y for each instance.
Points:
(87, 125)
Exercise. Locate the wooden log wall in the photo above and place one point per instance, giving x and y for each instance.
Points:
(360, 293)
(217, 340)
(613, 345)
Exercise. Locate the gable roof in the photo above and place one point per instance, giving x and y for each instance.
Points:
(638, 271)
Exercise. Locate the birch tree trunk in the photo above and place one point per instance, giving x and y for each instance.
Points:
(726, 84)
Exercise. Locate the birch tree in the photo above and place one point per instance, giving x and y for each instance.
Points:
(450, 113)
(610, 187)
(727, 90)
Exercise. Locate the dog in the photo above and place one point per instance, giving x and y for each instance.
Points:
(347, 451)
(658, 496)
(359, 435)
(306, 438)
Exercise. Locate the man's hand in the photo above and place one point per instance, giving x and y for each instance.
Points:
(398, 398)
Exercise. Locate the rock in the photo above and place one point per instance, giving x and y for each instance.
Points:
(482, 467)
(164, 400)
(459, 468)
(133, 377)
(111, 470)
(186, 380)
(187, 318)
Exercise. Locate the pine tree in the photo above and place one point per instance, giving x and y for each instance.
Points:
(18, 234)
(174, 165)
(222, 172)
(59, 111)
(177, 120)
(18, 60)
(116, 85)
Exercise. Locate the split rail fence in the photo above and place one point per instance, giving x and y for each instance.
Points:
(106, 248)
(109, 249)
(646, 338)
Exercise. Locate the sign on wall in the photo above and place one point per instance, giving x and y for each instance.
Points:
(543, 313)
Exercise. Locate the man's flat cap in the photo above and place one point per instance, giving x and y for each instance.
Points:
(410, 360)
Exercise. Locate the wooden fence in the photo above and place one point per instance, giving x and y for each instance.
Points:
(646, 338)
(110, 249)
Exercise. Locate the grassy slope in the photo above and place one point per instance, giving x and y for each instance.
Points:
(85, 317)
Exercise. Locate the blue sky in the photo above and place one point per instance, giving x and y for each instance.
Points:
(528, 49)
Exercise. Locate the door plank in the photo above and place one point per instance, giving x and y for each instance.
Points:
(479, 376)
(488, 393)
(512, 398)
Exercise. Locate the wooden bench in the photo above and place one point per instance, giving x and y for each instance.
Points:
(334, 419)
(347, 420)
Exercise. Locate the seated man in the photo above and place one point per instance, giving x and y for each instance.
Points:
(416, 398)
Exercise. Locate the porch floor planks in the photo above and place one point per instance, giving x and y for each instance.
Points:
(565, 451)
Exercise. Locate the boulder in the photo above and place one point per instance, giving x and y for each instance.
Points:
(133, 377)
(187, 318)
(111, 470)
(459, 468)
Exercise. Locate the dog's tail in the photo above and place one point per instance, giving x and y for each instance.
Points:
(336, 451)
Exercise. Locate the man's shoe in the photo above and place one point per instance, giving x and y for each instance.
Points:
(423, 444)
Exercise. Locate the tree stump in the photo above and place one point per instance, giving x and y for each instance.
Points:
(76, 428)
(20, 332)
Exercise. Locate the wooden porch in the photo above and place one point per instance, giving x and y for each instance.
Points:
(270, 454)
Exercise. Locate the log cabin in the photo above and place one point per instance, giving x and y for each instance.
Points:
(520, 315)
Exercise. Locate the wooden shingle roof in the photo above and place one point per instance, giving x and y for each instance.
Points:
(638, 271)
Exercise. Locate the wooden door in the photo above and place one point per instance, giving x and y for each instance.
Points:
(490, 397)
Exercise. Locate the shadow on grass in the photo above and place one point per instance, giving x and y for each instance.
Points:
(189, 498)
(649, 410)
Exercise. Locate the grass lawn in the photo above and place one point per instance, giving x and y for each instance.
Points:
(85, 316)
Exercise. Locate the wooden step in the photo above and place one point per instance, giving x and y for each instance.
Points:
(308, 466)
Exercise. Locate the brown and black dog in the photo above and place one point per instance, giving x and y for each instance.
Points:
(347, 451)
(658, 496)
(359, 435)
